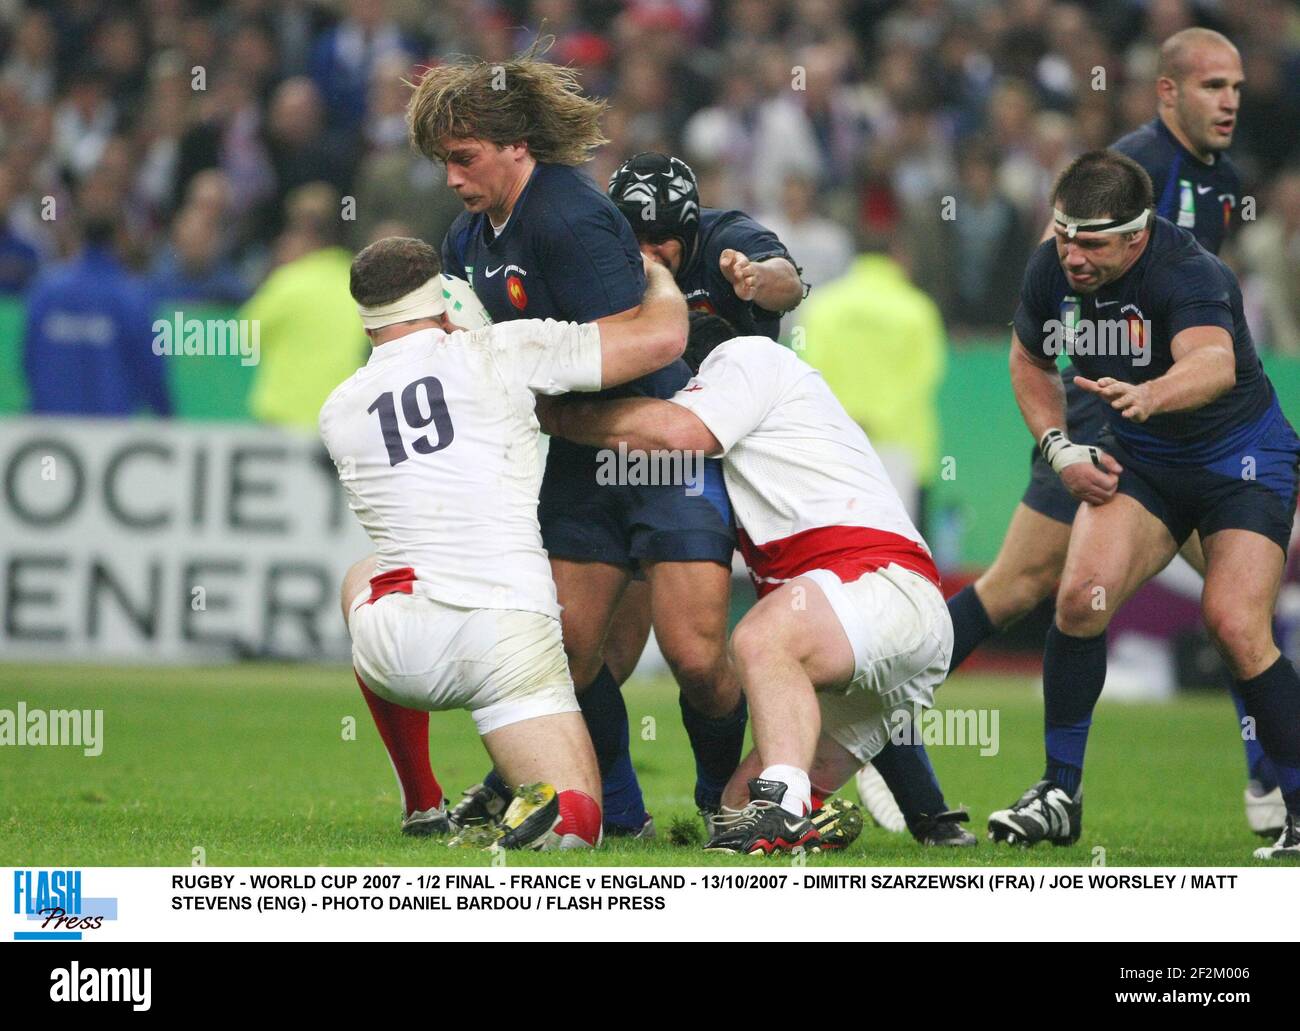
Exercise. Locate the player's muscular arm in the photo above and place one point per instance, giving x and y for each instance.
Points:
(1204, 368)
(1088, 473)
(639, 422)
(1038, 388)
(773, 283)
(634, 345)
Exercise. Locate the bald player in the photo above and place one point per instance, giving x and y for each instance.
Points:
(1183, 151)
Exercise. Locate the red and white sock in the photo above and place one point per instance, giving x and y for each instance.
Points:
(579, 825)
(798, 791)
(406, 736)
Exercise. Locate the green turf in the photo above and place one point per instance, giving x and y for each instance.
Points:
(250, 763)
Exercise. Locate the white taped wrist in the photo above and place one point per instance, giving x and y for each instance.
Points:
(1059, 452)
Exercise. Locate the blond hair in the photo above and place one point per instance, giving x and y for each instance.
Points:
(523, 100)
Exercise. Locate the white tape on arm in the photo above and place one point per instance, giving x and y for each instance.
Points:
(1059, 452)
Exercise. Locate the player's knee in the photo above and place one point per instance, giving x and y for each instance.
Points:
(1082, 608)
(694, 660)
(582, 649)
(1240, 638)
(754, 642)
(1009, 593)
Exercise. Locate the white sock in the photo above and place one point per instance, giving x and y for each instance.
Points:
(798, 791)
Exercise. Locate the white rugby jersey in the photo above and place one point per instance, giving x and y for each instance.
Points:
(807, 488)
(436, 443)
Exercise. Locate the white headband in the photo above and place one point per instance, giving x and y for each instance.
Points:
(424, 302)
(1100, 225)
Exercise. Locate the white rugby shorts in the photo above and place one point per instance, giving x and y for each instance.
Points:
(898, 624)
(503, 665)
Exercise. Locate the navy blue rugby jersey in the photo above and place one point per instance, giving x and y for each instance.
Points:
(1191, 194)
(1176, 284)
(565, 253)
(707, 289)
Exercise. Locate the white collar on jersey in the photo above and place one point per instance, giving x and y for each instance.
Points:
(424, 302)
(1100, 225)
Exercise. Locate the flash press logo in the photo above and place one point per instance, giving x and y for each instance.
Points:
(184, 337)
(636, 468)
(75, 983)
(54, 899)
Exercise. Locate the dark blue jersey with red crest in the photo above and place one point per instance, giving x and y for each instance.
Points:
(1191, 194)
(1176, 284)
(565, 253)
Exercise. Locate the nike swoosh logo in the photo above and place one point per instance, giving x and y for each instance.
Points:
(490, 272)
(1106, 304)
(1204, 189)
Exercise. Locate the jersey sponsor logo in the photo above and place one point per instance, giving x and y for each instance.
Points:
(515, 291)
(510, 269)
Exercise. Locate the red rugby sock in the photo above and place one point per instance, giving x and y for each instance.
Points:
(406, 736)
(579, 816)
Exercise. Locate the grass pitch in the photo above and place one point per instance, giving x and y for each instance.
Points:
(267, 765)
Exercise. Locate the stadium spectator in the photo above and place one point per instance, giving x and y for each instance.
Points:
(309, 331)
(88, 340)
(879, 342)
(973, 240)
(394, 183)
(823, 245)
(191, 267)
(83, 122)
(31, 66)
(299, 149)
(1270, 251)
(342, 59)
(19, 257)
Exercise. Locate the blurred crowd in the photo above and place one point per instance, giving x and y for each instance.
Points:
(179, 136)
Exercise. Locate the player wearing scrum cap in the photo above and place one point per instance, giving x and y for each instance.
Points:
(850, 625)
(437, 447)
(538, 239)
(1194, 441)
(1184, 151)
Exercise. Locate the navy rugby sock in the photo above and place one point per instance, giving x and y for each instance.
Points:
(1258, 766)
(606, 714)
(907, 772)
(971, 627)
(717, 743)
(1074, 672)
(1272, 699)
